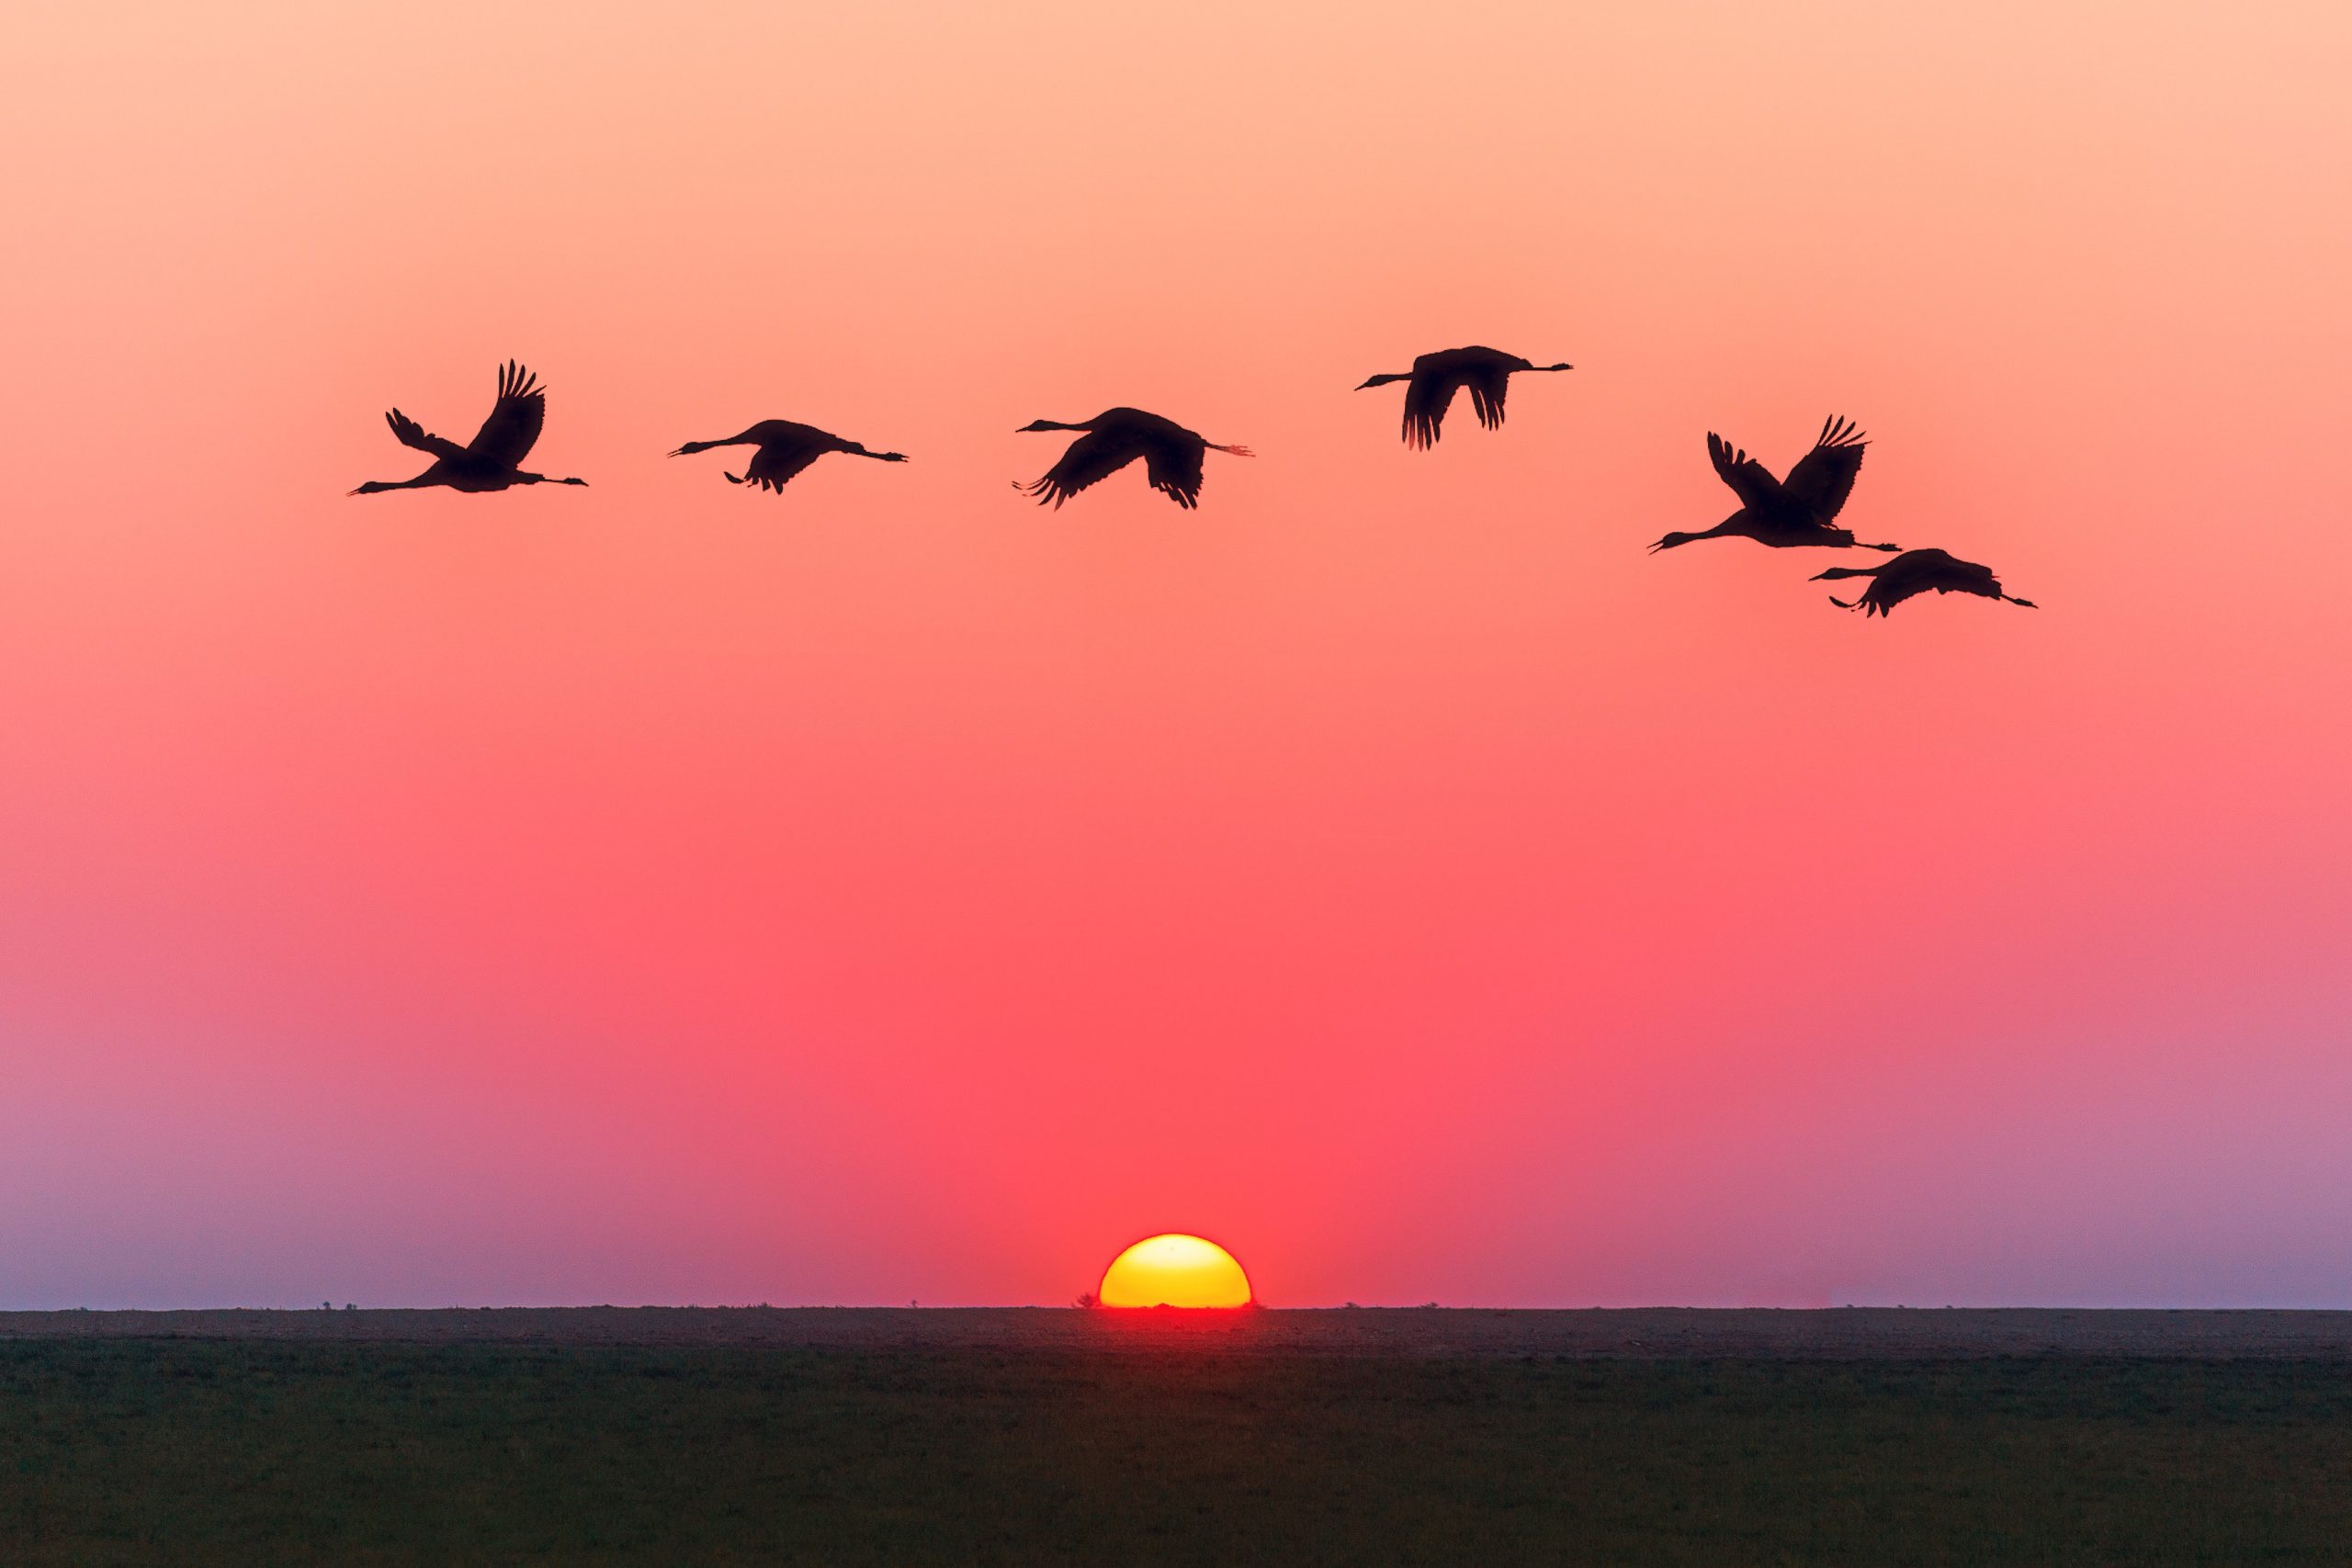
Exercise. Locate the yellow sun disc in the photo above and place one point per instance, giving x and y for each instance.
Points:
(1174, 1271)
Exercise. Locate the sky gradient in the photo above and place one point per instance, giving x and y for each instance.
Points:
(894, 891)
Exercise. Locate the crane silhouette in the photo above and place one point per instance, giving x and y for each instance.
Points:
(1115, 438)
(492, 459)
(1435, 378)
(1790, 512)
(1915, 572)
(785, 449)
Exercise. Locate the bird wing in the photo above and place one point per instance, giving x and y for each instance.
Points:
(1174, 465)
(1889, 590)
(1750, 480)
(1910, 574)
(507, 436)
(1427, 396)
(410, 433)
(1487, 384)
(1952, 575)
(777, 461)
(1092, 458)
(1824, 476)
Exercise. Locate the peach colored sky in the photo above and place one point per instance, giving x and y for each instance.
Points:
(892, 890)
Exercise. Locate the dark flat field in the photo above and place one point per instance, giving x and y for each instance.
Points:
(1851, 1333)
(1050, 1436)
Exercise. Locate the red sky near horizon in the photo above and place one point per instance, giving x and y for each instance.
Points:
(894, 891)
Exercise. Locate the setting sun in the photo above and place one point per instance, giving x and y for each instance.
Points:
(1174, 1271)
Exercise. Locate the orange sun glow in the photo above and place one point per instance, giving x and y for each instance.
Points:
(1174, 1271)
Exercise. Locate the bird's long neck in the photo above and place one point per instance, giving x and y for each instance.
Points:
(1057, 425)
(1382, 380)
(1547, 368)
(1675, 541)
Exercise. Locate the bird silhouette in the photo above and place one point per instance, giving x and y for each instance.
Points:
(492, 459)
(1794, 511)
(1435, 378)
(1115, 438)
(1915, 572)
(785, 449)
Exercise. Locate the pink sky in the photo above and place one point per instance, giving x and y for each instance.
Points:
(890, 890)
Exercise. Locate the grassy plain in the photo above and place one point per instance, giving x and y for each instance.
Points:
(915, 1445)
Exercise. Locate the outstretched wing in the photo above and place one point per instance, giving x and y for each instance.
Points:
(507, 436)
(1824, 476)
(410, 433)
(1092, 458)
(1174, 467)
(1489, 384)
(1427, 396)
(1748, 479)
(1949, 574)
(776, 462)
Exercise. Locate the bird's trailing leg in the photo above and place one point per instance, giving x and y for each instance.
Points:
(1237, 451)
